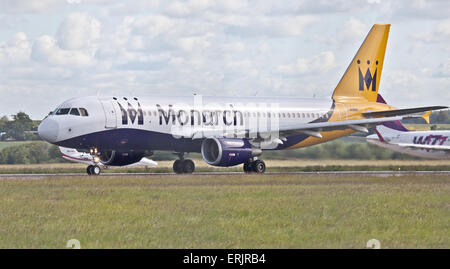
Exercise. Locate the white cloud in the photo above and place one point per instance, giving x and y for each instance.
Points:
(16, 51)
(443, 28)
(46, 50)
(78, 31)
(443, 70)
(230, 47)
(195, 43)
(275, 26)
(353, 30)
(441, 32)
(26, 6)
(318, 64)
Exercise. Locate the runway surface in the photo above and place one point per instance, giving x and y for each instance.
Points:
(324, 173)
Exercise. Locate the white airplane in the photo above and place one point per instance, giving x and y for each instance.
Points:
(94, 161)
(227, 131)
(426, 144)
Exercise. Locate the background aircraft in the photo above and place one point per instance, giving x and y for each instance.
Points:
(227, 130)
(427, 144)
(95, 162)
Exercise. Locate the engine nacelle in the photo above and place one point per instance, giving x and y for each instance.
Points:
(120, 158)
(227, 151)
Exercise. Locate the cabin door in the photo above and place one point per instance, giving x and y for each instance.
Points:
(110, 114)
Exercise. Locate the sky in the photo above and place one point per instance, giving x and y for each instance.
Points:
(53, 50)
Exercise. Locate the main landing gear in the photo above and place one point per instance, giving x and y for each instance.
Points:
(94, 170)
(255, 166)
(183, 166)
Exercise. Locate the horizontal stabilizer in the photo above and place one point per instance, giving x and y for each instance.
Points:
(426, 116)
(399, 112)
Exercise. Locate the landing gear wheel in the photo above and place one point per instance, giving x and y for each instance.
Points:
(259, 166)
(96, 170)
(184, 166)
(93, 170)
(177, 167)
(248, 167)
(88, 170)
(188, 166)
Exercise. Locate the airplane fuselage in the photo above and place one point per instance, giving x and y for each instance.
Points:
(155, 122)
(411, 142)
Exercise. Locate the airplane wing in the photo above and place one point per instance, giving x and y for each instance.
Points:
(420, 146)
(399, 112)
(312, 129)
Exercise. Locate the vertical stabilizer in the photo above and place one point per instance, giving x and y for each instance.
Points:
(361, 80)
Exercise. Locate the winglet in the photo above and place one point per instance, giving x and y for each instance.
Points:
(426, 116)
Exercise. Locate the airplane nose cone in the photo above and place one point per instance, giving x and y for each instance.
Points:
(48, 130)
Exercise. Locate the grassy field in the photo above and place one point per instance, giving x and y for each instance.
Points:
(272, 165)
(243, 211)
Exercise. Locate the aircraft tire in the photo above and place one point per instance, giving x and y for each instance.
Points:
(259, 166)
(177, 167)
(188, 166)
(88, 170)
(95, 170)
(248, 167)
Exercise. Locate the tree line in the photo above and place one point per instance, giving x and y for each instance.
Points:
(43, 152)
(31, 153)
(19, 128)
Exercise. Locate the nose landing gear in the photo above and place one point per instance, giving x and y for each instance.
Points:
(94, 169)
(183, 166)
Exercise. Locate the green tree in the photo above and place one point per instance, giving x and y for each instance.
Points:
(440, 117)
(3, 126)
(18, 127)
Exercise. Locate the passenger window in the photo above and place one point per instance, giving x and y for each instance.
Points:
(84, 112)
(74, 111)
(63, 111)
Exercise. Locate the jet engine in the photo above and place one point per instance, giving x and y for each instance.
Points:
(120, 158)
(227, 151)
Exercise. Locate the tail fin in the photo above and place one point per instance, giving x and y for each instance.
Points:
(362, 77)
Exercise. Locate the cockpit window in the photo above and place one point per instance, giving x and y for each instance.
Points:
(63, 111)
(74, 111)
(83, 112)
